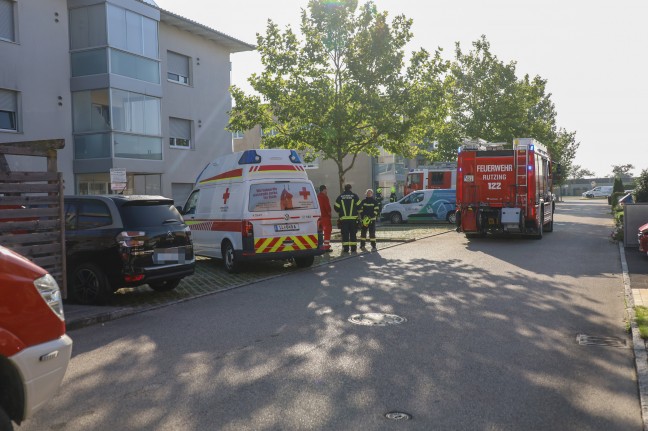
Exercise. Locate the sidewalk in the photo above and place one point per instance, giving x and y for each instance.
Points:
(211, 277)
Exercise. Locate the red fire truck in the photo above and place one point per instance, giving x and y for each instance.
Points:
(438, 175)
(502, 190)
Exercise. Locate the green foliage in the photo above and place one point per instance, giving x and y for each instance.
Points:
(641, 187)
(488, 101)
(577, 172)
(342, 90)
(618, 185)
(622, 170)
(641, 319)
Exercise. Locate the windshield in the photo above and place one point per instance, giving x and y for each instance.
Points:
(281, 196)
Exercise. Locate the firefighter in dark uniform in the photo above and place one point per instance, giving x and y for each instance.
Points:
(379, 198)
(369, 208)
(347, 205)
(392, 196)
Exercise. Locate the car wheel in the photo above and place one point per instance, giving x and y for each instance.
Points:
(452, 217)
(165, 285)
(5, 422)
(89, 285)
(229, 258)
(304, 262)
(395, 218)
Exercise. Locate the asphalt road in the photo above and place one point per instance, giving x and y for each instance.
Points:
(489, 343)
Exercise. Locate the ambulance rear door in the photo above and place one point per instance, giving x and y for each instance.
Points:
(284, 215)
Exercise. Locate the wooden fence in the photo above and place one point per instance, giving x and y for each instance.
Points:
(31, 208)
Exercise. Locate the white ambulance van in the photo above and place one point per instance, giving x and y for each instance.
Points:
(255, 205)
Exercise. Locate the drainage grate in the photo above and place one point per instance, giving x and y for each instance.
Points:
(589, 340)
(398, 416)
(376, 319)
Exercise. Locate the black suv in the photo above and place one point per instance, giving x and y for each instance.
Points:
(116, 241)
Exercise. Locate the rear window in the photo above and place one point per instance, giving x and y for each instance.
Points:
(144, 213)
(282, 196)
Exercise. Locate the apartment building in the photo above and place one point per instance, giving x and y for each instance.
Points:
(126, 84)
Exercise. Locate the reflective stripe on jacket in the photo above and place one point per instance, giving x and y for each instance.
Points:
(347, 205)
(369, 207)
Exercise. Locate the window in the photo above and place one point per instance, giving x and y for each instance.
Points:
(89, 214)
(178, 68)
(436, 178)
(7, 29)
(8, 110)
(179, 133)
(280, 196)
(135, 113)
(238, 135)
(91, 111)
(192, 202)
(87, 27)
(133, 66)
(132, 32)
(91, 62)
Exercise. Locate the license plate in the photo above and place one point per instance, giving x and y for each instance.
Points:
(286, 227)
(169, 255)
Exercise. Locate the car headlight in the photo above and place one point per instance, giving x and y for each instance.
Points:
(49, 290)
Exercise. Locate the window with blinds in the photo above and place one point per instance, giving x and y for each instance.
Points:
(8, 110)
(179, 133)
(7, 28)
(178, 68)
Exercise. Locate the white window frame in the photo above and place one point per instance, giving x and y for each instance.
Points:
(174, 141)
(176, 76)
(238, 135)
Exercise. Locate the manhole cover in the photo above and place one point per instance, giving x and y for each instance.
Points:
(376, 319)
(398, 416)
(589, 340)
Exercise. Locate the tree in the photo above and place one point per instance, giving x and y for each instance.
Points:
(342, 91)
(622, 171)
(489, 102)
(577, 172)
(641, 189)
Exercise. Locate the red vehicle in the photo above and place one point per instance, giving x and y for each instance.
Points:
(439, 175)
(505, 190)
(34, 349)
(642, 236)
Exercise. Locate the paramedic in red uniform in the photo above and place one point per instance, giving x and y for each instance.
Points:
(347, 205)
(325, 220)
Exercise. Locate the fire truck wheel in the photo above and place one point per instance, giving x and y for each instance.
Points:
(231, 263)
(549, 227)
(540, 227)
(452, 217)
(395, 218)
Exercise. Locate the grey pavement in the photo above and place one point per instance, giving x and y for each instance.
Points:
(211, 277)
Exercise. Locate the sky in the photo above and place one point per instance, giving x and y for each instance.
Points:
(593, 54)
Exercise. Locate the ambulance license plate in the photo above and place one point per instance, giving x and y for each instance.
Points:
(286, 227)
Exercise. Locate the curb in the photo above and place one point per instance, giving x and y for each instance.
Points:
(638, 344)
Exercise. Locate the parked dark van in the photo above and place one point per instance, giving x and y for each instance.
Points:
(115, 241)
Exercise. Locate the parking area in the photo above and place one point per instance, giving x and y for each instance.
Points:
(210, 276)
